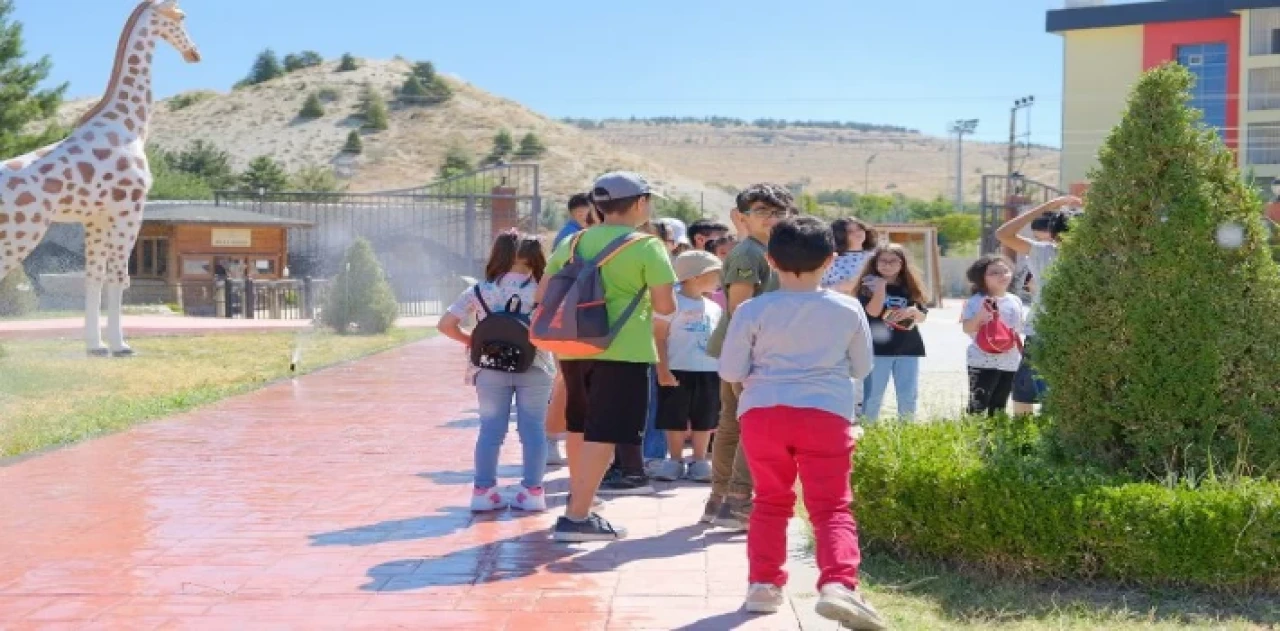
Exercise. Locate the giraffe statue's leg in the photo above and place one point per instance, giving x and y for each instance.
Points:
(122, 236)
(95, 267)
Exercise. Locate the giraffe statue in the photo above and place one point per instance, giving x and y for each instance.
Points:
(98, 176)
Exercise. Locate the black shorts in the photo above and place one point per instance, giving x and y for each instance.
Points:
(1028, 386)
(694, 404)
(606, 401)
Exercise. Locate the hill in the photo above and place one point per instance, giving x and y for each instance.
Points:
(698, 160)
(822, 157)
(263, 120)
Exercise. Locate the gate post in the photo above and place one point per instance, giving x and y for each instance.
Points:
(250, 299)
(307, 300)
(469, 232)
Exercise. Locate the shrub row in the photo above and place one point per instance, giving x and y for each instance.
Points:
(980, 493)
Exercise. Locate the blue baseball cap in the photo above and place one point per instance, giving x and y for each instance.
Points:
(621, 185)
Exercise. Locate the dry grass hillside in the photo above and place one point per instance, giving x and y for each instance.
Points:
(690, 160)
(826, 159)
(262, 120)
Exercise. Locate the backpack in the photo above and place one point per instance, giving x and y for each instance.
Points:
(500, 340)
(572, 318)
(995, 337)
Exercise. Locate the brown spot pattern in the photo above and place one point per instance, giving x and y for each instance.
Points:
(86, 173)
(25, 199)
(119, 195)
(13, 164)
(15, 182)
(102, 154)
(46, 168)
(113, 139)
(75, 150)
(122, 164)
(53, 187)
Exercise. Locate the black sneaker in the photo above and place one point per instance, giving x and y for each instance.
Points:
(619, 484)
(594, 528)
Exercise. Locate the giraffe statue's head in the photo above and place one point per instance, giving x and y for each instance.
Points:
(170, 25)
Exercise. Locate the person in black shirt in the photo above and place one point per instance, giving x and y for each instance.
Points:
(890, 290)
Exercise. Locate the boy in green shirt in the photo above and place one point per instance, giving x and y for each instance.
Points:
(747, 274)
(607, 398)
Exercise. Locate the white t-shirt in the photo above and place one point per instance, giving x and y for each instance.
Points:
(1010, 308)
(844, 271)
(1041, 257)
(691, 327)
(496, 295)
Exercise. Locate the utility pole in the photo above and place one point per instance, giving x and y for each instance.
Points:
(866, 175)
(960, 128)
(1012, 193)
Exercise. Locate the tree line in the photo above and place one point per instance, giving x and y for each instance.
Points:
(726, 121)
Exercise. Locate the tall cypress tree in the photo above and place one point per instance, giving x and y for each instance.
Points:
(21, 103)
(1161, 325)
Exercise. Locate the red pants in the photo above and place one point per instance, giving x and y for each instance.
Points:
(779, 443)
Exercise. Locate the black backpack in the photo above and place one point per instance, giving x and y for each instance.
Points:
(500, 341)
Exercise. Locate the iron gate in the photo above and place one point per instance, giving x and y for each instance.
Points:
(427, 238)
(1004, 197)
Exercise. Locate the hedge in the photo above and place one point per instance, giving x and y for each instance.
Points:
(984, 494)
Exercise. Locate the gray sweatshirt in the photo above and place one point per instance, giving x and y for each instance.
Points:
(798, 349)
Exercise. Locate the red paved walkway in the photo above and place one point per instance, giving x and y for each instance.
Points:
(151, 325)
(338, 501)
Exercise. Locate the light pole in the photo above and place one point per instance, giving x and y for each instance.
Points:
(866, 175)
(960, 128)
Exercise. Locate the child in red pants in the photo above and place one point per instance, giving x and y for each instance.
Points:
(797, 352)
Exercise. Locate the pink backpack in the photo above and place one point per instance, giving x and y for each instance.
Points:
(995, 336)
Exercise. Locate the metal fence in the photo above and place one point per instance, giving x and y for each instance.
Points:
(1003, 197)
(242, 298)
(426, 238)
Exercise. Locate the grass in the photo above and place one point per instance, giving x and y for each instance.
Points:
(43, 315)
(924, 594)
(52, 394)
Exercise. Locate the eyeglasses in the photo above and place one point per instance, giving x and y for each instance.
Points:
(772, 213)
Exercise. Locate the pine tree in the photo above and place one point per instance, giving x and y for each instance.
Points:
(265, 68)
(531, 147)
(310, 59)
(292, 62)
(425, 71)
(354, 144)
(457, 161)
(413, 91)
(1158, 338)
(209, 163)
(360, 299)
(348, 63)
(503, 144)
(170, 183)
(316, 179)
(22, 103)
(264, 174)
(374, 110)
(312, 108)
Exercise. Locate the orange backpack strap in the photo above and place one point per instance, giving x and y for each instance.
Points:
(632, 239)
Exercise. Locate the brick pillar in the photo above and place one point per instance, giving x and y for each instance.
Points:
(506, 212)
(1078, 189)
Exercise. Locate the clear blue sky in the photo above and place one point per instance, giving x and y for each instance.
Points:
(916, 63)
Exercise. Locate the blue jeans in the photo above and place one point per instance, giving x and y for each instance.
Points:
(655, 442)
(494, 392)
(906, 385)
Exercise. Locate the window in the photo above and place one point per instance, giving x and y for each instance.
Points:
(1208, 62)
(1264, 32)
(1264, 89)
(264, 267)
(150, 258)
(197, 266)
(1263, 143)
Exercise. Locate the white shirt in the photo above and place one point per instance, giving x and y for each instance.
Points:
(844, 271)
(691, 327)
(1010, 308)
(496, 294)
(798, 349)
(1041, 257)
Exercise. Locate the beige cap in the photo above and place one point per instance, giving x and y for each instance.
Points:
(695, 263)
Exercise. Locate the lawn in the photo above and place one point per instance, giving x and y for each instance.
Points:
(52, 393)
(919, 595)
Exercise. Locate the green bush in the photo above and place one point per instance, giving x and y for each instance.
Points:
(264, 173)
(373, 109)
(1149, 368)
(187, 99)
(17, 294)
(360, 295)
(354, 143)
(531, 147)
(348, 63)
(981, 493)
(312, 108)
(329, 95)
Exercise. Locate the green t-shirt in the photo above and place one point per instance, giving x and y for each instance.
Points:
(746, 263)
(633, 270)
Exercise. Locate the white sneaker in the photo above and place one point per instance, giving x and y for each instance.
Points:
(700, 471)
(555, 453)
(485, 500)
(669, 471)
(533, 500)
(764, 598)
(848, 607)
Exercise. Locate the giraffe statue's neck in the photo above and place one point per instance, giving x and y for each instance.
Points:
(127, 102)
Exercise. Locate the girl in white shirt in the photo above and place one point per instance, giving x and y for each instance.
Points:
(855, 241)
(991, 374)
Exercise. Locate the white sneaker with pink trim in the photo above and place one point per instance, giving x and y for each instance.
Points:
(533, 500)
(485, 500)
